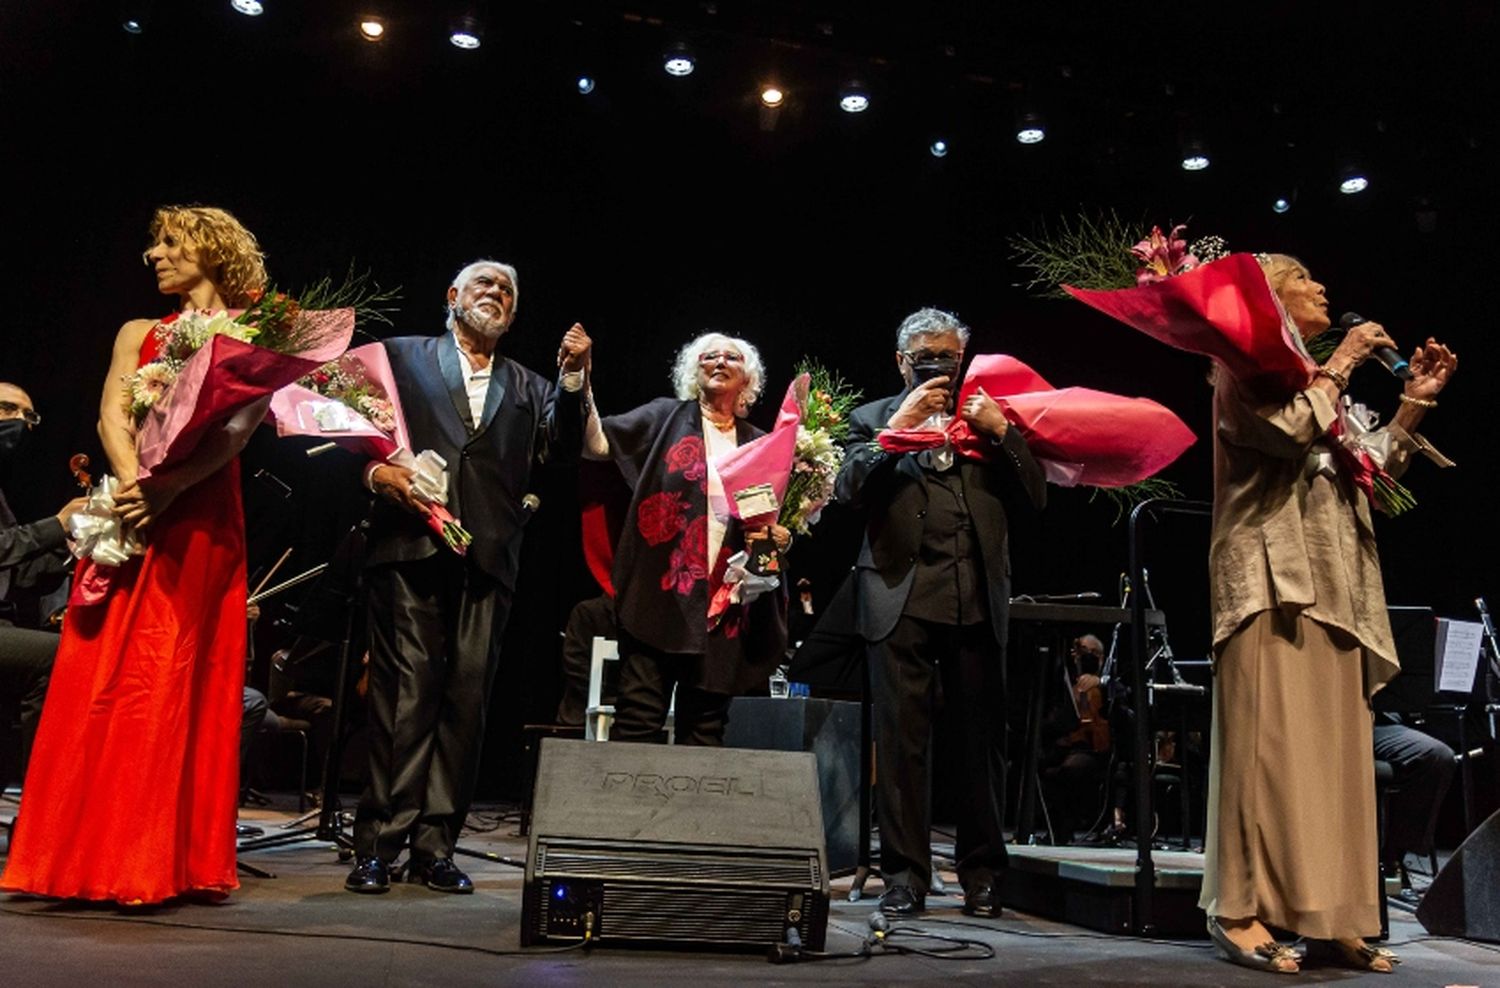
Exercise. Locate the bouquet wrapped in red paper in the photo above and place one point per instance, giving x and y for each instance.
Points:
(353, 402)
(1223, 309)
(1078, 436)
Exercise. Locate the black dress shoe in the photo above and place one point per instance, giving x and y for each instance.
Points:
(370, 874)
(440, 875)
(902, 900)
(981, 901)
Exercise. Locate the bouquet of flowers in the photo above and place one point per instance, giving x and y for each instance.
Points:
(353, 401)
(1207, 301)
(785, 476)
(208, 367)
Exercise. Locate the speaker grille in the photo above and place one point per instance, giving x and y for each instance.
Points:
(739, 916)
(669, 866)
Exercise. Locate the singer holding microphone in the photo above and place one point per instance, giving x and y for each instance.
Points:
(1301, 642)
(435, 617)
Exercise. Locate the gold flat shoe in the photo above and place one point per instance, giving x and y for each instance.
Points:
(1271, 956)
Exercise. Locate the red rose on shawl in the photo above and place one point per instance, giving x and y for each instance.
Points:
(659, 518)
(689, 563)
(686, 457)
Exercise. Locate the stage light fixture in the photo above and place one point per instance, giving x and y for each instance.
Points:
(1281, 205)
(372, 27)
(678, 60)
(1194, 156)
(132, 25)
(854, 97)
(1353, 181)
(772, 95)
(250, 8)
(938, 148)
(1030, 130)
(466, 33)
(585, 84)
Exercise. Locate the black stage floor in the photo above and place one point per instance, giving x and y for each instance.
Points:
(301, 928)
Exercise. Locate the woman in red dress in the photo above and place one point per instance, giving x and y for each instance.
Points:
(131, 792)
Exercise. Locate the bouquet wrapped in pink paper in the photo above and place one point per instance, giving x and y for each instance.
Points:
(353, 401)
(223, 375)
(1079, 436)
(785, 476)
(205, 367)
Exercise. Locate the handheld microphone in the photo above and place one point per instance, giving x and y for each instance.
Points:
(879, 926)
(1393, 361)
(529, 504)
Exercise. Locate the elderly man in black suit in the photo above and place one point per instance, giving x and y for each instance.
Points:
(436, 617)
(932, 591)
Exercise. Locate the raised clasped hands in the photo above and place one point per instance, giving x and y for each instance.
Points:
(1432, 365)
(924, 401)
(984, 415)
(395, 485)
(577, 350)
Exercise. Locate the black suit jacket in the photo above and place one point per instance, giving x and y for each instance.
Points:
(527, 419)
(892, 489)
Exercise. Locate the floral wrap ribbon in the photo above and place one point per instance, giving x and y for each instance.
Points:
(96, 531)
(741, 585)
(1363, 449)
(429, 480)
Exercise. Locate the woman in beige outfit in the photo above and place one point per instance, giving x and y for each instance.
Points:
(1302, 642)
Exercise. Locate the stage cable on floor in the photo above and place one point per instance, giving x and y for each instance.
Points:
(586, 943)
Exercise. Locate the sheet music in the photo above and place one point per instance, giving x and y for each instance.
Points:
(1457, 654)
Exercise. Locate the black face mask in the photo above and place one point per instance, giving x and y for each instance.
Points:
(926, 370)
(13, 438)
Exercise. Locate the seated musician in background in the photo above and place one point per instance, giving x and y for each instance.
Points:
(34, 560)
(589, 619)
(1074, 763)
(1423, 768)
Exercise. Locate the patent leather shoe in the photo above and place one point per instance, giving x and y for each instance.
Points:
(981, 901)
(901, 900)
(370, 874)
(440, 875)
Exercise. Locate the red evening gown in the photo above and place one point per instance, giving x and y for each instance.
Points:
(134, 778)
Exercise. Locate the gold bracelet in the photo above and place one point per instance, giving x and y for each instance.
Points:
(1407, 399)
(1338, 379)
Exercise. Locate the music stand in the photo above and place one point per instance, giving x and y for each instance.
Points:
(346, 582)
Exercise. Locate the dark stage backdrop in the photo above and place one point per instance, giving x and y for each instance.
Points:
(656, 208)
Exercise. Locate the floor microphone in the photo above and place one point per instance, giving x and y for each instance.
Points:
(1388, 357)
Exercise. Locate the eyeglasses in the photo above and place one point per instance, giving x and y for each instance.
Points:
(924, 356)
(714, 356)
(10, 410)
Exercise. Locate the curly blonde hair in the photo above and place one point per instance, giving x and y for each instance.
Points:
(225, 249)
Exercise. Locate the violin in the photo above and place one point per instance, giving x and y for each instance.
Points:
(78, 466)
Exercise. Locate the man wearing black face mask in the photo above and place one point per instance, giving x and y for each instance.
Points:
(932, 586)
(32, 557)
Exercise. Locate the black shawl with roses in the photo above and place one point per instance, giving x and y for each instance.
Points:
(661, 574)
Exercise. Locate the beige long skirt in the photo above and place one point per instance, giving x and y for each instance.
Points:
(1291, 808)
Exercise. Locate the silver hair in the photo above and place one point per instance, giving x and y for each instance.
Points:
(685, 369)
(468, 271)
(929, 320)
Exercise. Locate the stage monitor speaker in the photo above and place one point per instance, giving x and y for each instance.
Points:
(830, 730)
(674, 846)
(1464, 898)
